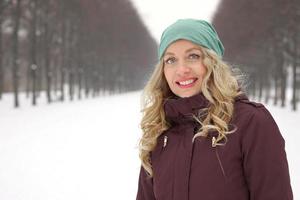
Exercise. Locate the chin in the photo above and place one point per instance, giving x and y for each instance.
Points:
(188, 94)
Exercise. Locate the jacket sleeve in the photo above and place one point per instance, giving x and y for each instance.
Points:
(145, 187)
(264, 159)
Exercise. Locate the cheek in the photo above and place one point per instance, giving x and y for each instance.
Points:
(204, 71)
(201, 70)
(168, 75)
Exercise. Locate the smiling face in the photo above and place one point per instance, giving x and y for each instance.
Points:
(183, 68)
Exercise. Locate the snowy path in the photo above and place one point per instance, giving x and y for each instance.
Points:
(87, 149)
(79, 150)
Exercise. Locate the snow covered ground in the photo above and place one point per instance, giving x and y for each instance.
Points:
(88, 149)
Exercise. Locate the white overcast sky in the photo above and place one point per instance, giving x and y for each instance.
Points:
(158, 14)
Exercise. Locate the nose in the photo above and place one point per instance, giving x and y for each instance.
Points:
(183, 69)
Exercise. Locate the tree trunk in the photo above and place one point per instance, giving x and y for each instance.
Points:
(283, 82)
(268, 90)
(33, 66)
(47, 44)
(294, 79)
(1, 52)
(15, 52)
(275, 89)
(63, 53)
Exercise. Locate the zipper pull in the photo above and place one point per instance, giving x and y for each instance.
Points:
(165, 141)
(214, 142)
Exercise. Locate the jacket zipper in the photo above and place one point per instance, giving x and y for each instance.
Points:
(214, 144)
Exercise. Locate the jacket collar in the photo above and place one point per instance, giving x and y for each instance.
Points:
(181, 110)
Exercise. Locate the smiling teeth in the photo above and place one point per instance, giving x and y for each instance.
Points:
(186, 82)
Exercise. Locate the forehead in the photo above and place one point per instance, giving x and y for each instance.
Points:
(181, 46)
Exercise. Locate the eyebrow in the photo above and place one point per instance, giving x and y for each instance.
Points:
(188, 50)
(191, 49)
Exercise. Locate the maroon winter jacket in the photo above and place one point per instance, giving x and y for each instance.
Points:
(251, 166)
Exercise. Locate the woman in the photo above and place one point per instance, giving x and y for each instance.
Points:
(202, 137)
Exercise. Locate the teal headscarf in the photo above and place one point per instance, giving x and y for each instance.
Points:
(197, 31)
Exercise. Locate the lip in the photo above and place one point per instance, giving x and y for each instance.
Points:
(187, 86)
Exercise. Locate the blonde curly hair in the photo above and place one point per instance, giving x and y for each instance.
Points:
(221, 84)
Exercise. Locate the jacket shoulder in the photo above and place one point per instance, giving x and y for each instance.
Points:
(243, 98)
(252, 103)
(245, 110)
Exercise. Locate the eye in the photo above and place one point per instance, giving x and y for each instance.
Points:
(170, 60)
(194, 56)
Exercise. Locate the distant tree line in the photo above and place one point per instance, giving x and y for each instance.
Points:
(75, 47)
(263, 37)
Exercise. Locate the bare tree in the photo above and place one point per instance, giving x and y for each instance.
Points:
(15, 51)
(83, 45)
(265, 42)
(33, 61)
